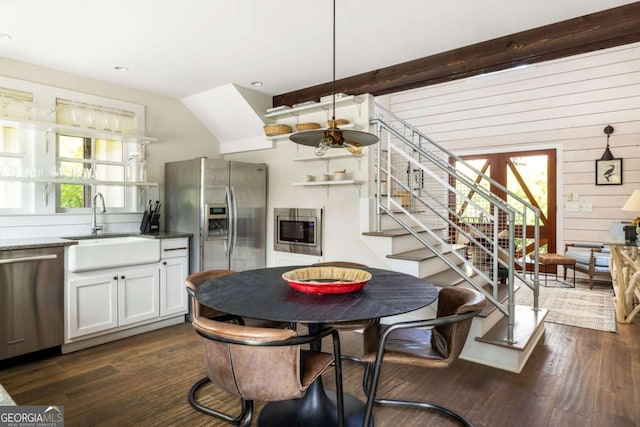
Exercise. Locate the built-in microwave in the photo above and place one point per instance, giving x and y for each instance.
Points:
(298, 231)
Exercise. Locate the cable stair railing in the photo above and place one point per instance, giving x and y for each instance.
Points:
(426, 189)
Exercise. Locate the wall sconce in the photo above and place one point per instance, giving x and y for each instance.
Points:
(608, 168)
(607, 155)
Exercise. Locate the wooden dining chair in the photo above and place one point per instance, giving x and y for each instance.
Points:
(262, 364)
(198, 310)
(409, 343)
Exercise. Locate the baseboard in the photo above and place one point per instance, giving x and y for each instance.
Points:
(90, 342)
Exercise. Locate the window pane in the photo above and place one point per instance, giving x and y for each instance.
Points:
(114, 196)
(109, 150)
(71, 170)
(10, 195)
(533, 171)
(10, 140)
(109, 173)
(10, 191)
(73, 147)
(72, 195)
(10, 166)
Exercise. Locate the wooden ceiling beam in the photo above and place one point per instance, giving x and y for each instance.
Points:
(601, 30)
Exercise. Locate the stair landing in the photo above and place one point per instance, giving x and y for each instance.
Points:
(492, 349)
(527, 322)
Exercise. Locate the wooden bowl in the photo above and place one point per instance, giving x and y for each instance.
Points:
(273, 130)
(307, 126)
(327, 280)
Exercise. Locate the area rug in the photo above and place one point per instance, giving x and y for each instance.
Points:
(579, 306)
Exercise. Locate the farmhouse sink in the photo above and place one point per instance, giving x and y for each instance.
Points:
(108, 252)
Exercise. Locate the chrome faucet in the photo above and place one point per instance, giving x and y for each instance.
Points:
(94, 226)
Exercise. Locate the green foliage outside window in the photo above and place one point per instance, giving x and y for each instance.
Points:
(71, 196)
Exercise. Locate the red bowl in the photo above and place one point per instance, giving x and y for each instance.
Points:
(327, 280)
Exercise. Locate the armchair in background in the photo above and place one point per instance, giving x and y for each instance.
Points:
(591, 259)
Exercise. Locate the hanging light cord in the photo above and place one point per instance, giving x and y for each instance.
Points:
(333, 88)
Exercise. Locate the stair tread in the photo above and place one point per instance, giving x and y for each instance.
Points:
(503, 294)
(420, 254)
(527, 322)
(449, 277)
(392, 232)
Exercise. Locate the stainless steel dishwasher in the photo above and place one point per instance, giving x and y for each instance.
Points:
(31, 300)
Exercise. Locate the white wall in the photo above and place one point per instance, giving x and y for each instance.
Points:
(563, 104)
(342, 227)
(181, 136)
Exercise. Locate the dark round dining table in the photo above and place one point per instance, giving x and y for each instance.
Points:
(264, 294)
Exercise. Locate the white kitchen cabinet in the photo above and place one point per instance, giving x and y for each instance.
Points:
(92, 304)
(99, 301)
(103, 305)
(138, 295)
(174, 267)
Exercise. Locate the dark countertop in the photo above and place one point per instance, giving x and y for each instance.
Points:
(49, 242)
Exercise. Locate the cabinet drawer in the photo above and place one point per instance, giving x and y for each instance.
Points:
(172, 248)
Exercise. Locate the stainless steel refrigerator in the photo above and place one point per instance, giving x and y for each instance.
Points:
(224, 205)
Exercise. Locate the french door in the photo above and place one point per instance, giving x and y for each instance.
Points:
(532, 176)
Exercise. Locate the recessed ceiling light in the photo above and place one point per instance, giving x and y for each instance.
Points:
(5, 36)
(120, 68)
(257, 83)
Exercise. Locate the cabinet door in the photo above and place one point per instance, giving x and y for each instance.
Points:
(173, 292)
(138, 295)
(92, 304)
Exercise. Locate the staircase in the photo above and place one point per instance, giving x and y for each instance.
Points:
(436, 219)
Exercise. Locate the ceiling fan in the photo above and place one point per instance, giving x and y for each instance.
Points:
(334, 137)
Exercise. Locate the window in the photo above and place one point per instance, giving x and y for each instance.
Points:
(55, 161)
(529, 174)
(13, 157)
(99, 163)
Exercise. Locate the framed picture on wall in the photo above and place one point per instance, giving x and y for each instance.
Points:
(609, 172)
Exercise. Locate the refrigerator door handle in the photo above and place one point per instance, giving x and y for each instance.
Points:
(234, 227)
(230, 214)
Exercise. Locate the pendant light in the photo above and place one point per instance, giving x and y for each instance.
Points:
(334, 137)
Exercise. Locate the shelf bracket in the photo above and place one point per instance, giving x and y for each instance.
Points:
(46, 190)
(47, 135)
(326, 163)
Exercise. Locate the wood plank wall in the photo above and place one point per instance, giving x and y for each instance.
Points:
(565, 104)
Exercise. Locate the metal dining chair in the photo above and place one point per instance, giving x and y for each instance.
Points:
(410, 343)
(262, 364)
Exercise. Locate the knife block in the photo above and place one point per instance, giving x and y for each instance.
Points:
(150, 223)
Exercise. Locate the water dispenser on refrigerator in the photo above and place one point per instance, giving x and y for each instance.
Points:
(217, 221)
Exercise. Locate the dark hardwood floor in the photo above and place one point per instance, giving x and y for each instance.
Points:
(574, 377)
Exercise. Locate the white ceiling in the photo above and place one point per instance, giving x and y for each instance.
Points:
(182, 47)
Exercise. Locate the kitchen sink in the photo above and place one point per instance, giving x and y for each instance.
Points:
(96, 253)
